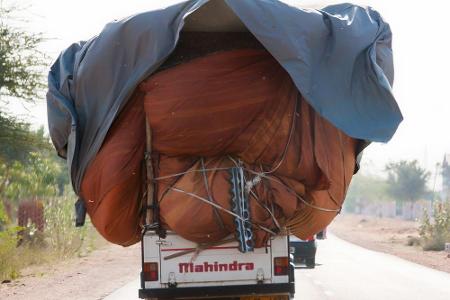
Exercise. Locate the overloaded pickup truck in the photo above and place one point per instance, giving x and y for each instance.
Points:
(175, 268)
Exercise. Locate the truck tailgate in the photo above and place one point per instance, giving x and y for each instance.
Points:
(222, 264)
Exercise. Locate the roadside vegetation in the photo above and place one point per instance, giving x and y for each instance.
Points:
(22, 247)
(435, 231)
(37, 211)
(36, 207)
(404, 193)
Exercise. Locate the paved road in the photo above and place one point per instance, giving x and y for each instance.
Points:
(346, 271)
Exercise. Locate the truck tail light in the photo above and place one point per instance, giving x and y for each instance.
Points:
(151, 271)
(281, 266)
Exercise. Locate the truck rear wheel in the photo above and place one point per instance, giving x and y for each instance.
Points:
(310, 262)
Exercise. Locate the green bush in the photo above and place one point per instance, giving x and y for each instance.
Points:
(435, 233)
(9, 263)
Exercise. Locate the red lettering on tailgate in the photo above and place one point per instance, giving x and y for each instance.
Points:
(215, 267)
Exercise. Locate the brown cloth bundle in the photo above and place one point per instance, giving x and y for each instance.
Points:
(212, 113)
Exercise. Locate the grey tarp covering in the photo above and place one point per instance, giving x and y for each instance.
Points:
(339, 57)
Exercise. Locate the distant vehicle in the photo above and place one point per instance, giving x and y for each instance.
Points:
(304, 251)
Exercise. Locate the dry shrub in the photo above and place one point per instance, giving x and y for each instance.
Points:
(435, 232)
(413, 241)
(64, 239)
(21, 247)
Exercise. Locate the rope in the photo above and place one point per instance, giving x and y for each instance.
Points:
(293, 192)
(222, 209)
(261, 174)
(190, 171)
(286, 147)
(208, 192)
(250, 184)
(251, 192)
(275, 221)
(199, 248)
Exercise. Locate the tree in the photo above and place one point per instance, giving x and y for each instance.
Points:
(21, 77)
(407, 181)
(18, 140)
(21, 61)
(41, 174)
(35, 178)
(17, 153)
(365, 189)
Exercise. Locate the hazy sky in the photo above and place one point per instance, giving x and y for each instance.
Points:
(422, 65)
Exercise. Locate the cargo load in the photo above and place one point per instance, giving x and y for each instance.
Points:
(251, 119)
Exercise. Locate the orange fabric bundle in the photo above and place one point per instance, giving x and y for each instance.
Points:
(196, 220)
(238, 102)
(207, 114)
(112, 184)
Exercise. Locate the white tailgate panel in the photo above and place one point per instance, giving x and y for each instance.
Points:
(219, 264)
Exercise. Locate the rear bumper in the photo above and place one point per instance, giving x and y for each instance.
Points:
(219, 291)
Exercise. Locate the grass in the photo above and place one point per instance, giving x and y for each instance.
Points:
(60, 239)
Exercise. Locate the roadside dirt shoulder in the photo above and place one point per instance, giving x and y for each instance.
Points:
(91, 277)
(388, 236)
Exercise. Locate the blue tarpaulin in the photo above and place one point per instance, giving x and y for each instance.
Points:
(339, 57)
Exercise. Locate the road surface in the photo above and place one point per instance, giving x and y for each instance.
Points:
(346, 271)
